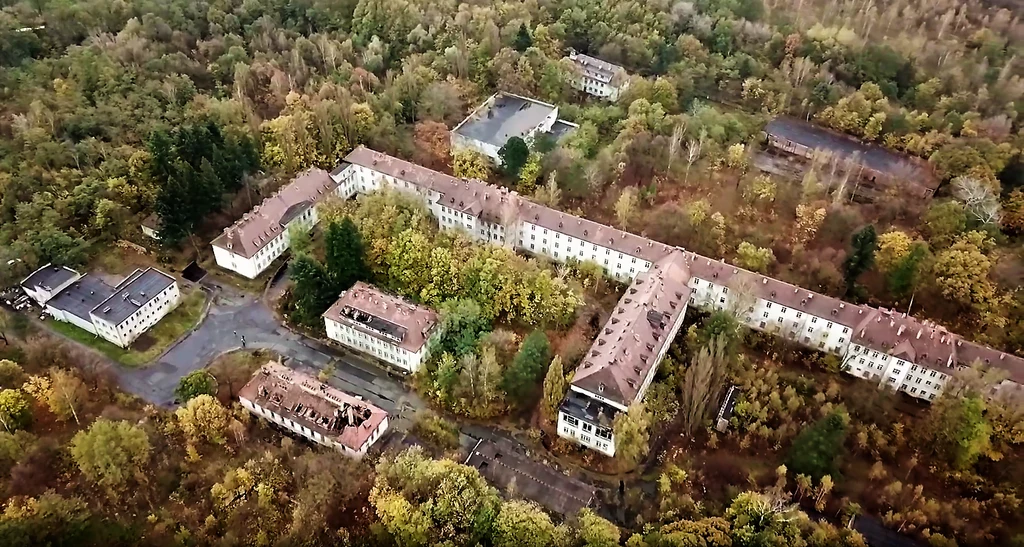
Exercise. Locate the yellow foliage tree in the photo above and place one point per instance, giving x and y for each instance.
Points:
(893, 247)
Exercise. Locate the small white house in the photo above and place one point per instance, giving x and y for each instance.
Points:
(46, 282)
(597, 77)
(388, 327)
(503, 116)
(314, 410)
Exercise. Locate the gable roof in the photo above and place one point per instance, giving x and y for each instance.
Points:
(628, 345)
(381, 315)
(267, 220)
(598, 69)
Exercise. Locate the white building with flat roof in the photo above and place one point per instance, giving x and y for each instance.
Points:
(313, 410)
(388, 327)
(503, 116)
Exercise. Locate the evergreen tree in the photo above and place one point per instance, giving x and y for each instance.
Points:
(861, 257)
(527, 366)
(905, 277)
(523, 39)
(313, 292)
(815, 449)
(514, 154)
(346, 258)
(555, 385)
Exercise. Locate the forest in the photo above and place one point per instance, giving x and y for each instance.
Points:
(111, 110)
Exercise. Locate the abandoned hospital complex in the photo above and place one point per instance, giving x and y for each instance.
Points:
(892, 349)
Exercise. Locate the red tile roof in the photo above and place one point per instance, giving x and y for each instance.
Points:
(384, 316)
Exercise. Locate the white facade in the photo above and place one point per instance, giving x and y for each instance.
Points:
(591, 435)
(148, 314)
(894, 373)
(598, 78)
(252, 266)
(562, 247)
(311, 434)
(61, 315)
(382, 349)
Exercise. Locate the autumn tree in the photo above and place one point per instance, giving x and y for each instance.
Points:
(943, 222)
(702, 384)
(11, 374)
(15, 412)
(893, 247)
(469, 164)
(957, 431)
(625, 207)
(522, 523)
(962, 273)
(555, 386)
(61, 391)
(808, 221)
(112, 454)
(203, 419)
(751, 257)
(194, 384)
(905, 275)
(595, 531)
(631, 433)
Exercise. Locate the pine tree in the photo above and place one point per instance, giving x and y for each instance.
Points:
(527, 366)
(346, 255)
(312, 291)
(523, 40)
(861, 257)
(815, 449)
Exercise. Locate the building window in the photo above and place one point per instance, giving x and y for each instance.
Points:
(571, 420)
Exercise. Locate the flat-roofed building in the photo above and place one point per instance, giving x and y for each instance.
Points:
(44, 283)
(869, 170)
(252, 243)
(598, 77)
(385, 326)
(75, 303)
(503, 116)
(314, 410)
(619, 367)
(137, 303)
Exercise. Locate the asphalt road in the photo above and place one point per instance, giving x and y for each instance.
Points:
(234, 315)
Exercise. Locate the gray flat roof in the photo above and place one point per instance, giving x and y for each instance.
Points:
(872, 156)
(561, 128)
(49, 277)
(509, 116)
(500, 462)
(131, 294)
(82, 296)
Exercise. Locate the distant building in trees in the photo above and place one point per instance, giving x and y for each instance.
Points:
(151, 226)
(503, 116)
(118, 314)
(385, 326)
(597, 77)
(868, 171)
(314, 410)
(251, 244)
(813, 320)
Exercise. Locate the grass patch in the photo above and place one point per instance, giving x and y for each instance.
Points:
(169, 329)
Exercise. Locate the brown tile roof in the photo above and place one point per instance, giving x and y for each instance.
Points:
(581, 228)
(303, 399)
(629, 343)
(384, 316)
(904, 337)
(768, 288)
(266, 221)
(969, 352)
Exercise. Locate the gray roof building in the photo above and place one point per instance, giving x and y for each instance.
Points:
(508, 116)
(82, 296)
(49, 277)
(131, 294)
(501, 463)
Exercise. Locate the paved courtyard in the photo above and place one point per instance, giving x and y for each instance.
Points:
(234, 315)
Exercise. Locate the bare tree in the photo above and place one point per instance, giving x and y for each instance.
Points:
(978, 198)
(692, 153)
(675, 143)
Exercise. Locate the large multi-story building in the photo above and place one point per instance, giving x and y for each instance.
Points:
(909, 360)
(313, 409)
(503, 116)
(118, 314)
(620, 365)
(597, 77)
(385, 326)
(251, 244)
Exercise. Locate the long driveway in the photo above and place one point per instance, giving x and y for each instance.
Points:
(234, 315)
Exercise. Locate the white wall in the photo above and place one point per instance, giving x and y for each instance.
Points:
(358, 340)
(61, 315)
(561, 247)
(585, 433)
(312, 435)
